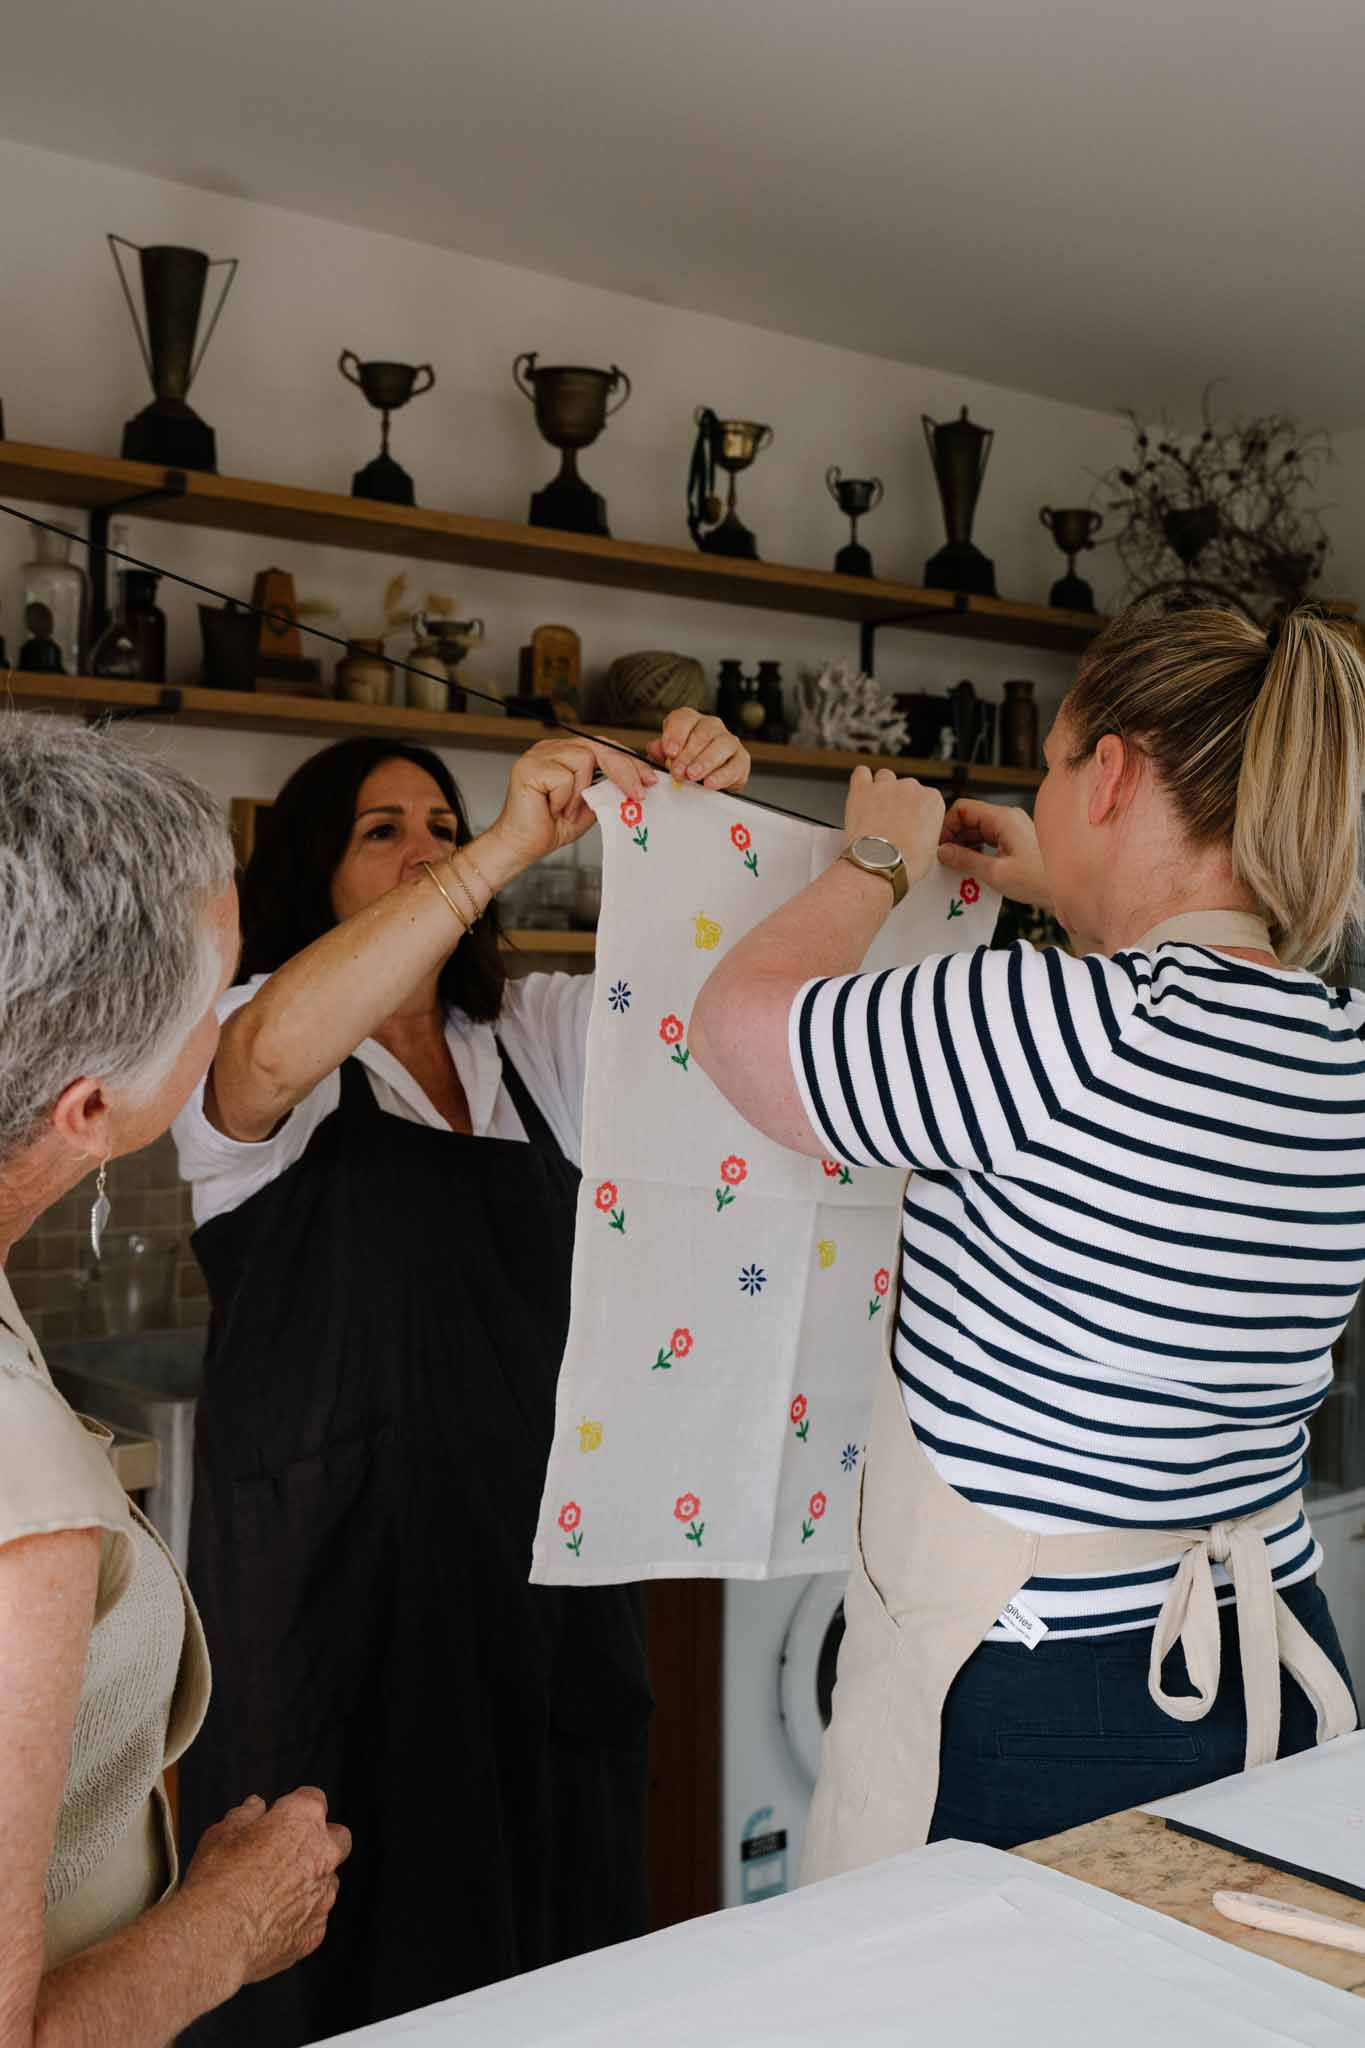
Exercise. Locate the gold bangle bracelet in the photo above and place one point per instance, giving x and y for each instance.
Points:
(458, 876)
(434, 877)
(492, 892)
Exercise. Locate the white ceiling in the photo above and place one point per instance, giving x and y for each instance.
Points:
(1102, 201)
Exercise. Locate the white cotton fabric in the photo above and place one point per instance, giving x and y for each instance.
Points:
(646, 1426)
(543, 1027)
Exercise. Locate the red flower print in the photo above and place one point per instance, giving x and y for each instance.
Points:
(671, 1030)
(570, 1515)
(682, 1344)
(686, 1507)
(818, 1504)
(733, 1170)
(798, 1408)
(606, 1196)
(831, 1167)
(881, 1280)
(632, 811)
(970, 890)
(739, 834)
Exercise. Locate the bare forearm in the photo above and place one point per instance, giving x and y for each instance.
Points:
(315, 1010)
(142, 1986)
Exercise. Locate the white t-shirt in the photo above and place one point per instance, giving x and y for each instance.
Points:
(543, 1027)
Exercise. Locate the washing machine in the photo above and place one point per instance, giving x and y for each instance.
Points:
(781, 1646)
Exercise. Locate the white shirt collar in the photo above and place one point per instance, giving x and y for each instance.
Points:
(474, 1050)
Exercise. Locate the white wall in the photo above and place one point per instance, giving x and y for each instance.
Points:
(71, 373)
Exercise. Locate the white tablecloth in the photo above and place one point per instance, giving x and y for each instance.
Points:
(730, 1298)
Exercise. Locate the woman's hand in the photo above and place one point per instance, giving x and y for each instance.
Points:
(274, 1869)
(544, 807)
(888, 806)
(698, 749)
(1016, 870)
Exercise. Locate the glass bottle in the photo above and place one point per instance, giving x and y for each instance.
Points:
(54, 601)
(133, 647)
(1019, 727)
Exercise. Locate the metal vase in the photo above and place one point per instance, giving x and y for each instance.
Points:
(959, 450)
(572, 405)
(168, 431)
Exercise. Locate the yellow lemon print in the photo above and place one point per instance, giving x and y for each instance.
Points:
(589, 1435)
(708, 934)
(827, 1252)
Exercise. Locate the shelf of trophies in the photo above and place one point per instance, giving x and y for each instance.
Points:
(58, 476)
(333, 718)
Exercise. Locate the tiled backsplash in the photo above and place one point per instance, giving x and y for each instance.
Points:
(146, 1191)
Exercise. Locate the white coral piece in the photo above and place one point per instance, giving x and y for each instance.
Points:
(841, 707)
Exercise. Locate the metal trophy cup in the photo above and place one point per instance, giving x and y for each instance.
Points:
(387, 386)
(730, 445)
(571, 411)
(959, 450)
(855, 496)
(168, 431)
(1073, 530)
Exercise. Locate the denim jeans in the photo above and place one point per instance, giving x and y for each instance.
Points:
(1038, 1741)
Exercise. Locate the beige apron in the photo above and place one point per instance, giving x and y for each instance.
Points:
(932, 1573)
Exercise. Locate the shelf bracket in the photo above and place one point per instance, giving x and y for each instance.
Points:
(167, 704)
(868, 629)
(174, 485)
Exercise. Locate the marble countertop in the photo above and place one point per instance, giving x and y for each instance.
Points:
(1138, 1857)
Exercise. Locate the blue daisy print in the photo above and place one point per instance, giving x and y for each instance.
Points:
(752, 1280)
(848, 1457)
(618, 995)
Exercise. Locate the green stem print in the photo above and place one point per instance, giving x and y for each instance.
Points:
(686, 1508)
(800, 1418)
(732, 1171)
(834, 1170)
(743, 839)
(818, 1504)
(571, 1521)
(633, 815)
(672, 1031)
(881, 1280)
(607, 1198)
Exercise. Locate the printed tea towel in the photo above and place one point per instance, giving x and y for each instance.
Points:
(729, 1297)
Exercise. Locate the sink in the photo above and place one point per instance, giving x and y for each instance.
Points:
(148, 1383)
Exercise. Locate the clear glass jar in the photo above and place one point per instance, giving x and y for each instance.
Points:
(53, 610)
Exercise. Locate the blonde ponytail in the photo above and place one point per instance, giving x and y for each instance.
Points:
(1296, 839)
(1261, 748)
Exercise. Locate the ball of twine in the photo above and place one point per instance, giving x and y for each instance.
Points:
(641, 689)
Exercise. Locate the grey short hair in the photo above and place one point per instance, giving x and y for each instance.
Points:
(108, 859)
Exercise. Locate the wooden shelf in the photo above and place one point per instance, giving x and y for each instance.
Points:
(59, 476)
(523, 941)
(334, 718)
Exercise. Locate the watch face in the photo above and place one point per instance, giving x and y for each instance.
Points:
(878, 853)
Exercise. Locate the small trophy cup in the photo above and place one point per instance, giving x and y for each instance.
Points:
(168, 431)
(855, 496)
(730, 445)
(571, 411)
(387, 386)
(1073, 530)
(958, 450)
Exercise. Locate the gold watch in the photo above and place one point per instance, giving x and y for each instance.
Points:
(879, 857)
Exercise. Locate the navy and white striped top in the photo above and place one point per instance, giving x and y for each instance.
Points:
(1135, 1228)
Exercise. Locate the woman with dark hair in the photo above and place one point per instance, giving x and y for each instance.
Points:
(384, 1165)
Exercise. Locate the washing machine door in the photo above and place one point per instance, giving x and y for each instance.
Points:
(810, 1655)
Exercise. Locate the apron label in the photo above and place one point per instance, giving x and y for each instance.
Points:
(1022, 1623)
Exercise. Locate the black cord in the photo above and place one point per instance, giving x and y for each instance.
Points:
(550, 719)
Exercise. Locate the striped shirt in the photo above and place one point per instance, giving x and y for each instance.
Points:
(1136, 1225)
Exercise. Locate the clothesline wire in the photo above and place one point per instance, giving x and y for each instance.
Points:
(274, 616)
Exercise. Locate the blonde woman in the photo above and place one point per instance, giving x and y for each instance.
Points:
(1135, 1225)
(118, 929)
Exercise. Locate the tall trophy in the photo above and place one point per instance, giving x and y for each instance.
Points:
(1073, 530)
(730, 445)
(855, 496)
(168, 431)
(571, 410)
(958, 450)
(387, 386)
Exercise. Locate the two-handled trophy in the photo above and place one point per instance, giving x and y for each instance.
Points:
(168, 431)
(387, 386)
(730, 445)
(855, 496)
(572, 407)
(1074, 530)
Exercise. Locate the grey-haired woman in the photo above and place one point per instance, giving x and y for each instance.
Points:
(118, 931)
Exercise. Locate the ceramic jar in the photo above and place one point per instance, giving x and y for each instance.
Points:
(363, 675)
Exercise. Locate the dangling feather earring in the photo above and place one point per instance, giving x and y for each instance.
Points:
(99, 1210)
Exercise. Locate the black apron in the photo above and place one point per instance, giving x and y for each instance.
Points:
(388, 1321)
